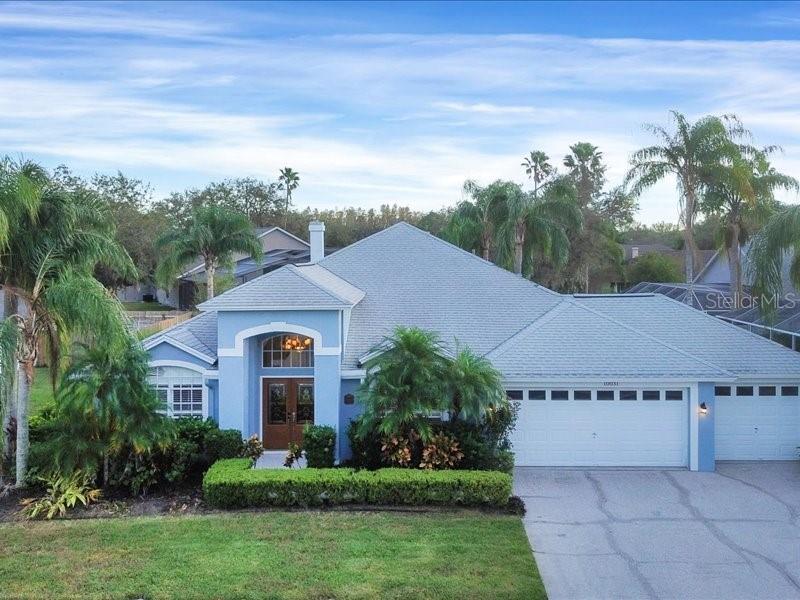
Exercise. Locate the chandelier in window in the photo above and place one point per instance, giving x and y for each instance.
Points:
(297, 343)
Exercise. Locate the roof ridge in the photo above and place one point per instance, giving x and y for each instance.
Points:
(359, 242)
(532, 326)
(295, 269)
(450, 246)
(648, 336)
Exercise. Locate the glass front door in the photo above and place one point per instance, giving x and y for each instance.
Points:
(287, 406)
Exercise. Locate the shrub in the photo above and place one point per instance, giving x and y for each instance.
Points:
(319, 443)
(365, 446)
(252, 448)
(223, 443)
(233, 484)
(442, 452)
(63, 493)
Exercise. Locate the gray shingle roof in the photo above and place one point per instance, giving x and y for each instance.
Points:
(404, 276)
(285, 288)
(574, 341)
(411, 277)
(198, 333)
(725, 345)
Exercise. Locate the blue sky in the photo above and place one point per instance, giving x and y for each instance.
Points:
(383, 103)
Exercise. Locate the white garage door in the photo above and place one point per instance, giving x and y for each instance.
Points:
(757, 422)
(601, 427)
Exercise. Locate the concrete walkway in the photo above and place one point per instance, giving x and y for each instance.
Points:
(733, 534)
(273, 459)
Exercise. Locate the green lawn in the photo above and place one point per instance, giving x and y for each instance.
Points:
(41, 392)
(154, 306)
(271, 555)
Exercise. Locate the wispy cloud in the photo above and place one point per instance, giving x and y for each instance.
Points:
(367, 119)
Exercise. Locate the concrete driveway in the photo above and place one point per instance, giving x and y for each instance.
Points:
(665, 533)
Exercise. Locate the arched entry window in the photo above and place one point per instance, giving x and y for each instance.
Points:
(288, 350)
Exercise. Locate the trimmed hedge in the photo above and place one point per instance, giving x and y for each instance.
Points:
(233, 484)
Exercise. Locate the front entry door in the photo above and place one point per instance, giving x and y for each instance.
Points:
(287, 405)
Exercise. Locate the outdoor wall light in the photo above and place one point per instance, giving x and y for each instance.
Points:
(703, 408)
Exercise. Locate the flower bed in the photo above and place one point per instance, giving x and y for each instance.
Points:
(233, 484)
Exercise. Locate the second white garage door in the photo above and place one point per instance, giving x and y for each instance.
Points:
(757, 422)
(646, 427)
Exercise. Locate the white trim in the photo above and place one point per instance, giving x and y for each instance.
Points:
(694, 427)
(148, 345)
(599, 382)
(267, 308)
(353, 373)
(278, 327)
(261, 396)
(208, 373)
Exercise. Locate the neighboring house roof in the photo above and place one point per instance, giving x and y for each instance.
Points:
(288, 288)
(199, 334)
(711, 298)
(725, 345)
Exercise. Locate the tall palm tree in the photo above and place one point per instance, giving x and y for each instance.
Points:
(49, 268)
(585, 167)
(538, 168)
(689, 153)
(472, 224)
(777, 241)
(741, 191)
(289, 180)
(526, 222)
(213, 234)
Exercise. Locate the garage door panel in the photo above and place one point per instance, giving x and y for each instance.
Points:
(601, 432)
(757, 427)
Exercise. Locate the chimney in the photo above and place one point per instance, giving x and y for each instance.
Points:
(316, 237)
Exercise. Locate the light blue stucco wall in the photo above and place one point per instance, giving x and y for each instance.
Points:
(213, 396)
(165, 351)
(240, 374)
(705, 429)
(347, 412)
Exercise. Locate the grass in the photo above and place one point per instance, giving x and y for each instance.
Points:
(290, 555)
(41, 392)
(154, 306)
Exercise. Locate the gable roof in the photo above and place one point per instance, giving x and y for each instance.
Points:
(729, 347)
(288, 288)
(413, 278)
(198, 334)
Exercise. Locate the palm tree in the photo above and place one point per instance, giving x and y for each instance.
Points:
(537, 167)
(289, 180)
(49, 268)
(585, 167)
(472, 225)
(404, 384)
(526, 222)
(106, 407)
(689, 153)
(20, 194)
(473, 387)
(213, 234)
(779, 240)
(741, 191)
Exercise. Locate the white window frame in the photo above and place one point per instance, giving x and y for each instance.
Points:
(172, 386)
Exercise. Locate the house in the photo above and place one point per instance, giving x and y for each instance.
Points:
(607, 380)
(280, 248)
(711, 292)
